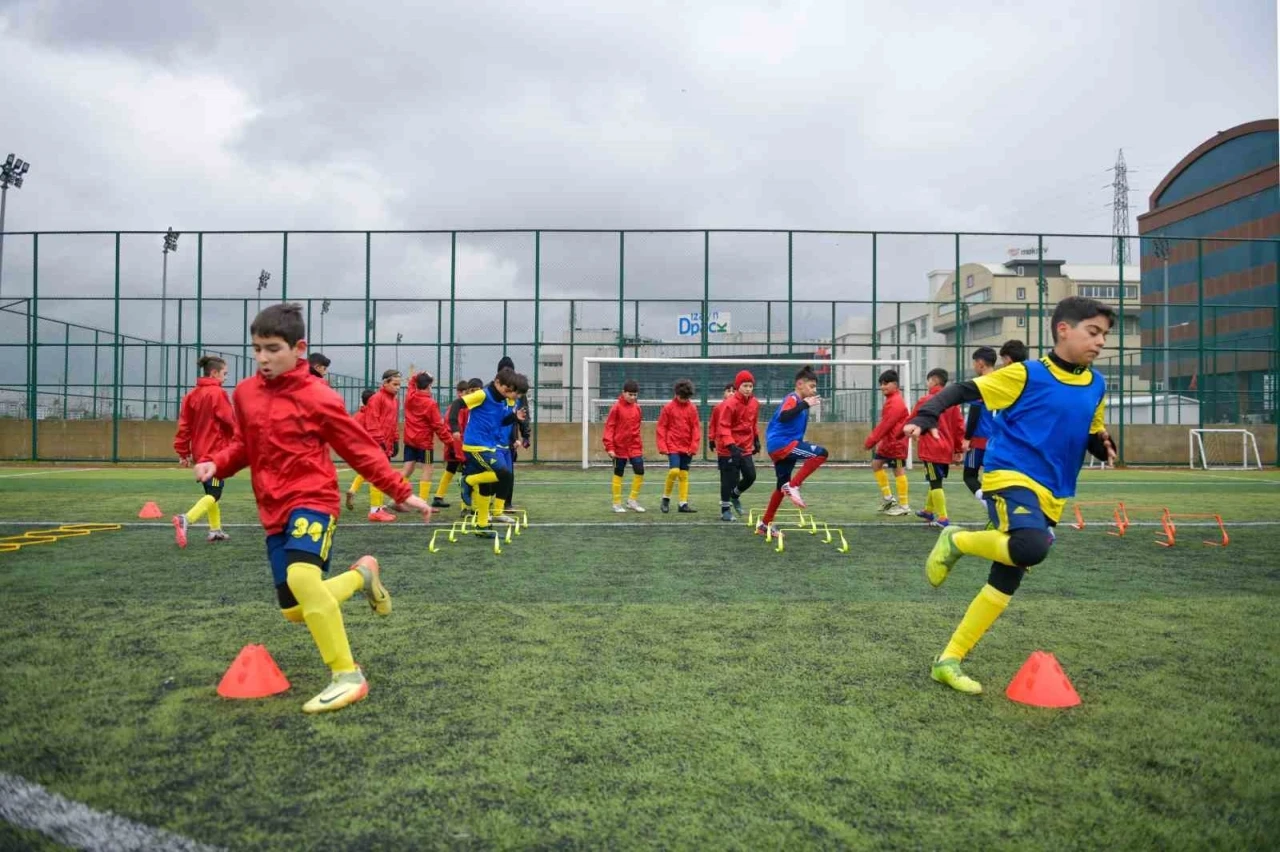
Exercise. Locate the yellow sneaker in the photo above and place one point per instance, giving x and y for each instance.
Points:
(345, 688)
(943, 557)
(948, 672)
(377, 594)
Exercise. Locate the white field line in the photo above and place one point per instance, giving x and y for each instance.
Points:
(32, 807)
(639, 525)
(43, 472)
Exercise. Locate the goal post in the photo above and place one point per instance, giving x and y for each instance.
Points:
(1223, 449)
(591, 382)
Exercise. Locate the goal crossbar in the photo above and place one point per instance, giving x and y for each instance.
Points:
(902, 366)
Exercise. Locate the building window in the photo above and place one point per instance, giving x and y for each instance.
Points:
(1021, 270)
(968, 282)
(1107, 291)
(1022, 294)
(1022, 322)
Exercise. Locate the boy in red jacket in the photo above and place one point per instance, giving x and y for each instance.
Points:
(206, 424)
(713, 425)
(382, 420)
(938, 453)
(622, 443)
(286, 420)
(737, 440)
(679, 437)
(890, 446)
(456, 422)
(422, 424)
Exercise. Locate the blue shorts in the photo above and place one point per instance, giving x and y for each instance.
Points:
(890, 462)
(1015, 509)
(493, 461)
(679, 460)
(973, 459)
(935, 472)
(802, 451)
(415, 454)
(213, 487)
(308, 538)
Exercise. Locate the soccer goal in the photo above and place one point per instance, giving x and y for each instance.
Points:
(846, 385)
(1223, 449)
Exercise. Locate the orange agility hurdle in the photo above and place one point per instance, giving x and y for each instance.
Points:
(1171, 529)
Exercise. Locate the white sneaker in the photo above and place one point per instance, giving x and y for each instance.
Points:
(898, 510)
(887, 503)
(218, 535)
(978, 494)
(503, 519)
(618, 510)
(793, 494)
(634, 506)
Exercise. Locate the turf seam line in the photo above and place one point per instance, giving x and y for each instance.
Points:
(30, 806)
(640, 525)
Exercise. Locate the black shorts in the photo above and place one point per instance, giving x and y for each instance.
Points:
(415, 454)
(888, 462)
(213, 487)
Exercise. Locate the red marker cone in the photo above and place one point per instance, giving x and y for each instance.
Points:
(150, 510)
(253, 674)
(1041, 682)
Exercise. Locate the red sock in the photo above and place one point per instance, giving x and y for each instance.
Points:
(775, 500)
(809, 466)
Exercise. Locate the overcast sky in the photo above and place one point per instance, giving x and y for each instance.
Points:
(986, 116)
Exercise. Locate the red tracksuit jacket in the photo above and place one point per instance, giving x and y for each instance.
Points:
(887, 438)
(422, 420)
(679, 428)
(940, 450)
(284, 429)
(383, 418)
(206, 422)
(622, 430)
(739, 424)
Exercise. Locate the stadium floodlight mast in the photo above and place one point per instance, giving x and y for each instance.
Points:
(170, 244)
(12, 173)
(324, 309)
(901, 365)
(263, 277)
(399, 337)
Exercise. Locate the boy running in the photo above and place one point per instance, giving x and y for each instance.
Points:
(978, 424)
(1051, 413)
(890, 447)
(487, 470)
(422, 423)
(679, 437)
(286, 421)
(623, 443)
(737, 440)
(206, 424)
(382, 420)
(785, 443)
(937, 450)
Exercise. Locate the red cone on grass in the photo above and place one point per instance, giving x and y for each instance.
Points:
(150, 510)
(1041, 682)
(253, 674)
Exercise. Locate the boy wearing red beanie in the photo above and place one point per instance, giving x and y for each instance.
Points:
(737, 440)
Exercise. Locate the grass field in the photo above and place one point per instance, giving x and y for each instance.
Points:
(652, 680)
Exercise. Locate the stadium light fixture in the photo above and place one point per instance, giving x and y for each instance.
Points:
(12, 173)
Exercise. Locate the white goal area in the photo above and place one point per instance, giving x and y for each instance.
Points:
(847, 387)
(1223, 449)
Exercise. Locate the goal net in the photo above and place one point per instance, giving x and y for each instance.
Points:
(1223, 449)
(851, 400)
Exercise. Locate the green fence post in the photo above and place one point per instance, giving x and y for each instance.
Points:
(875, 330)
(706, 307)
(284, 269)
(200, 293)
(1275, 346)
(1200, 327)
(116, 364)
(1041, 286)
(368, 285)
(635, 328)
(445, 395)
(180, 374)
(791, 337)
(622, 256)
(537, 335)
(95, 374)
(146, 377)
(66, 366)
(1120, 434)
(453, 301)
(959, 318)
(34, 403)
(504, 326)
(569, 401)
(244, 338)
(768, 327)
(371, 334)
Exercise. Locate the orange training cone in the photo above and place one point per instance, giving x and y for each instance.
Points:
(150, 510)
(253, 674)
(1041, 682)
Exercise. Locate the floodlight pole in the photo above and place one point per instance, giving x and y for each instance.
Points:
(324, 309)
(170, 244)
(12, 171)
(263, 277)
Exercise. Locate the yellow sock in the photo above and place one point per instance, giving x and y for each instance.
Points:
(475, 480)
(636, 482)
(673, 476)
(992, 545)
(928, 501)
(982, 613)
(904, 490)
(424, 488)
(202, 505)
(499, 505)
(215, 516)
(323, 618)
(375, 498)
(882, 479)
(481, 504)
(684, 486)
(445, 480)
(939, 502)
(355, 484)
(617, 490)
(294, 614)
